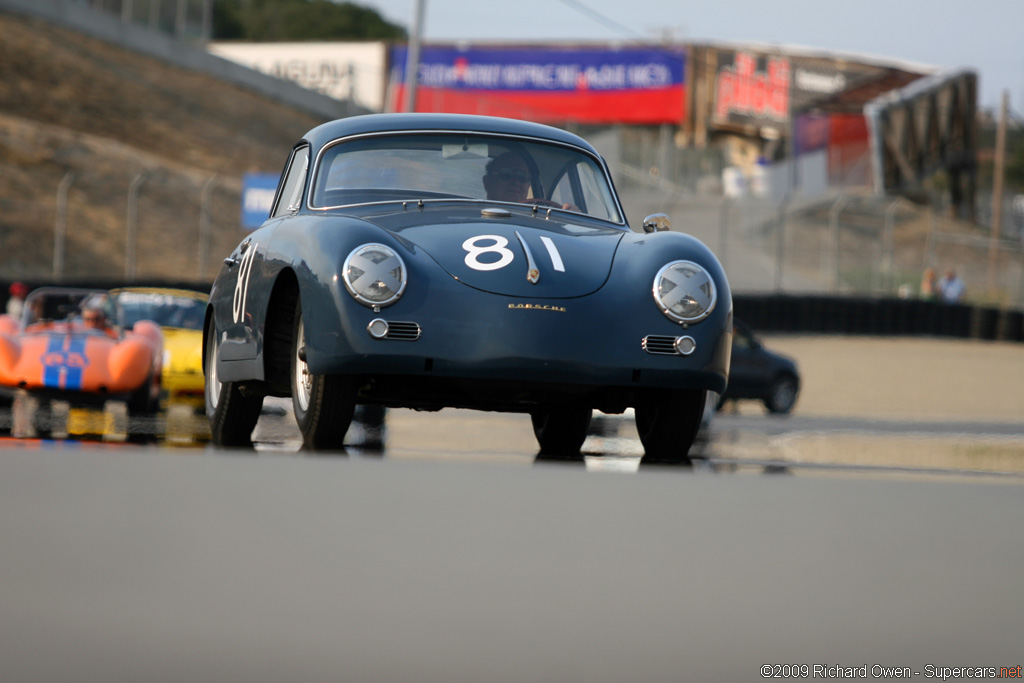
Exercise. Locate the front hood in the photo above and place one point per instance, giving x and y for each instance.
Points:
(490, 253)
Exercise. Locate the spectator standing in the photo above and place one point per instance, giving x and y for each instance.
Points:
(16, 302)
(952, 288)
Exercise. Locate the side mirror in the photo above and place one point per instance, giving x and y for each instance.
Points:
(657, 222)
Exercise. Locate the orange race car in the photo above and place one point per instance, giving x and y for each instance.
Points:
(70, 346)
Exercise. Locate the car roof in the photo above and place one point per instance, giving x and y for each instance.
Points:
(374, 123)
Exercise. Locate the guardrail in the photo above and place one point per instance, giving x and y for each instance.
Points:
(877, 317)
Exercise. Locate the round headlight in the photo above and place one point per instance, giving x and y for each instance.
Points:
(374, 275)
(685, 292)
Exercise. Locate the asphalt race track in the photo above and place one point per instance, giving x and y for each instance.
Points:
(480, 562)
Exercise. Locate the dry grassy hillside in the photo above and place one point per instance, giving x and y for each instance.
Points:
(69, 103)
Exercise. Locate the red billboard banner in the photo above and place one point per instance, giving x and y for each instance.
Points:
(640, 86)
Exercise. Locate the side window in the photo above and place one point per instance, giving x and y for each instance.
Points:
(595, 196)
(562, 192)
(291, 192)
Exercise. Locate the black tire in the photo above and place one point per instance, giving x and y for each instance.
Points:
(142, 402)
(142, 410)
(561, 432)
(232, 415)
(781, 395)
(373, 420)
(323, 404)
(667, 422)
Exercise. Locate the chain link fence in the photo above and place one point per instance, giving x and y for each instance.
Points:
(140, 225)
(842, 240)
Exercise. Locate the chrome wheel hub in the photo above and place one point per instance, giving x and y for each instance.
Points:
(303, 380)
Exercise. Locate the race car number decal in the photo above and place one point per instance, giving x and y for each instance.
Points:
(556, 258)
(473, 252)
(499, 245)
(64, 363)
(242, 284)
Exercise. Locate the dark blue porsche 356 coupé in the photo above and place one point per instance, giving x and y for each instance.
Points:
(428, 261)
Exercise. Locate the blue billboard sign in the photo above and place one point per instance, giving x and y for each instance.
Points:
(257, 197)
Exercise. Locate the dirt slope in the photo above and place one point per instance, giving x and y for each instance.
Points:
(70, 103)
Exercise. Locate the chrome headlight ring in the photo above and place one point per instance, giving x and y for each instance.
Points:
(685, 292)
(374, 275)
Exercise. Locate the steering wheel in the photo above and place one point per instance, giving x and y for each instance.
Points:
(539, 201)
(552, 204)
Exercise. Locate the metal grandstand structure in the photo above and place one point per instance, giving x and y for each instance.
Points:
(924, 128)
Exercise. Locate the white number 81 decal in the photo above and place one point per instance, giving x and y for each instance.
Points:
(499, 246)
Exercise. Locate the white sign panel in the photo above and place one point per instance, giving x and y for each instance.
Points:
(344, 71)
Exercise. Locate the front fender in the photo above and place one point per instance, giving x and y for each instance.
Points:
(636, 265)
(331, 316)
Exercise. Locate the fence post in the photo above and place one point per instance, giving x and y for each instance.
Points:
(180, 17)
(204, 223)
(780, 242)
(1020, 279)
(889, 242)
(666, 172)
(929, 244)
(60, 230)
(154, 15)
(833, 230)
(723, 227)
(131, 227)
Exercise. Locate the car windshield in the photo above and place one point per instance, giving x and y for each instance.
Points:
(459, 166)
(167, 310)
(48, 309)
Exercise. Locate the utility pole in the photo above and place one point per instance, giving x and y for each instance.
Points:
(412, 59)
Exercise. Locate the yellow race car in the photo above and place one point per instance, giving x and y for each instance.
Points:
(180, 314)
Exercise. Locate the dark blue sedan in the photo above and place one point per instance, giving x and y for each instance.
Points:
(429, 261)
(761, 374)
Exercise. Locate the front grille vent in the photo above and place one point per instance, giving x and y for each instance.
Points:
(402, 331)
(660, 344)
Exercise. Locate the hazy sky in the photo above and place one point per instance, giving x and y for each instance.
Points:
(984, 35)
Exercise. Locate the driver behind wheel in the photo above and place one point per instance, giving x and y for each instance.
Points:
(95, 318)
(507, 178)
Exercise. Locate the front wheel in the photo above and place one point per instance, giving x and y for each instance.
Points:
(561, 432)
(781, 396)
(142, 410)
(667, 421)
(323, 404)
(232, 414)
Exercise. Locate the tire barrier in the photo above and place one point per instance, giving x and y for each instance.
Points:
(881, 317)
